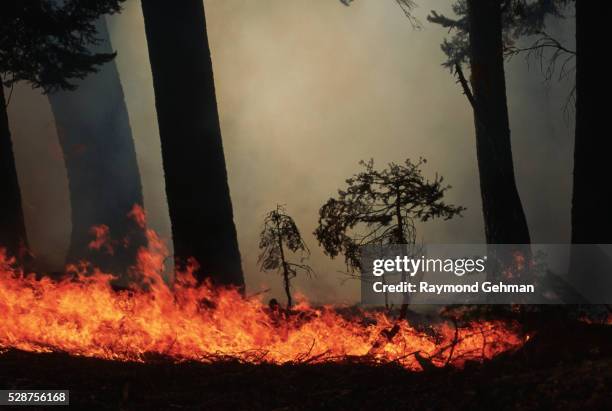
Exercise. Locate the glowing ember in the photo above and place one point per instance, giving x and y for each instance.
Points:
(82, 315)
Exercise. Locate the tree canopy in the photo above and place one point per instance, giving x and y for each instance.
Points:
(280, 231)
(46, 42)
(520, 18)
(381, 207)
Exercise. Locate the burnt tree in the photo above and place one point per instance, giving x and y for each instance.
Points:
(192, 151)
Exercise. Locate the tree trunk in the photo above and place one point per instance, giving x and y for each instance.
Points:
(287, 284)
(12, 226)
(286, 279)
(401, 237)
(504, 218)
(590, 266)
(192, 151)
(95, 135)
(591, 219)
(505, 221)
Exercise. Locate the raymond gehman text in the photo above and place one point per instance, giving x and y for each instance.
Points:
(477, 287)
(456, 267)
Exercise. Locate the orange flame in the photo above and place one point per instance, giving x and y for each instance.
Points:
(82, 315)
(101, 239)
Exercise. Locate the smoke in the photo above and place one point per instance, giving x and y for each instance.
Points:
(42, 176)
(306, 89)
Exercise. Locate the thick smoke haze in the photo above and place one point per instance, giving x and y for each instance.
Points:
(306, 89)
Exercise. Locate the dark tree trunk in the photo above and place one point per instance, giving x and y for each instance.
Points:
(590, 267)
(12, 226)
(505, 221)
(286, 277)
(591, 218)
(194, 164)
(281, 250)
(96, 139)
(504, 218)
(401, 239)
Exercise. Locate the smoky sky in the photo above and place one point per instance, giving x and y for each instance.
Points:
(306, 89)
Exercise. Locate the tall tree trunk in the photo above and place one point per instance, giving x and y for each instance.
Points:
(192, 151)
(95, 135)
(505, 221)
(401, 239)
(12, 226)
(590, 267)
(591, 218)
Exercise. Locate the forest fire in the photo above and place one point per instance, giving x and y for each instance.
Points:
(83, 315)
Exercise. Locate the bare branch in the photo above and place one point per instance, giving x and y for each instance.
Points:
(465, 86)
(407, 6)
(442, 20)
(545, 41)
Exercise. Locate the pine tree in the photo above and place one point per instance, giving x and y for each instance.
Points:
(280, 233)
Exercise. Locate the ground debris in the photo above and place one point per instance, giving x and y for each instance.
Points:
(580, 377)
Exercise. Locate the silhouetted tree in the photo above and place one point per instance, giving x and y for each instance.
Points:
(591, 222)
(280, 232)
(46, 45)
(591, 219)
(483, 32)
(12, 225)
(96, 139)
(479, 34)
(194, 164)
(380, 207)
(479, 42)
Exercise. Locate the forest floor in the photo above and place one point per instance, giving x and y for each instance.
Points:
(562, 367)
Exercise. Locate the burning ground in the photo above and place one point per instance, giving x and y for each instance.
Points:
(184, 345)
(543, 374)
(81, 314)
